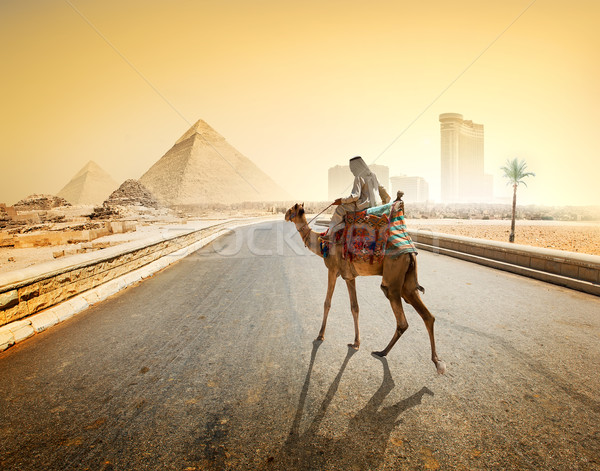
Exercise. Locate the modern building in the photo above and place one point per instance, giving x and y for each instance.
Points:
(340, 179)
(462, 175)
(416, 189)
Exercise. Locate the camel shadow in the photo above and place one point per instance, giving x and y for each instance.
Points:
(365, 441)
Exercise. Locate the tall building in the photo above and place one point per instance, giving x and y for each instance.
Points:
(416, 189)
(462, 176)
(340, 179)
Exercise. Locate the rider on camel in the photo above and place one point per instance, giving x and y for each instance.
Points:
(361, 197)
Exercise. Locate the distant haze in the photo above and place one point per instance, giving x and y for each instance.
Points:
(299, 87)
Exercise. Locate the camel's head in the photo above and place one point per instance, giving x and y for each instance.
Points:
(295, 213)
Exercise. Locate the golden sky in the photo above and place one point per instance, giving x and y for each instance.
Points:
(300, 86)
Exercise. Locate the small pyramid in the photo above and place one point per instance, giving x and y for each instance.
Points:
(132, 193)
(91, 185)
(202, 167)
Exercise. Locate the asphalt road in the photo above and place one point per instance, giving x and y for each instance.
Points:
(211, 364)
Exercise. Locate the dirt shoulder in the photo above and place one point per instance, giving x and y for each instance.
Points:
(570, 236)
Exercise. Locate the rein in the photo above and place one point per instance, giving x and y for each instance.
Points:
(320, 213)
(304, 237)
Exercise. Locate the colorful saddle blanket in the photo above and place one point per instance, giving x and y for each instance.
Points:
(372, 234)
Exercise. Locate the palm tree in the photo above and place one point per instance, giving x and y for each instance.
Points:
(514, 172)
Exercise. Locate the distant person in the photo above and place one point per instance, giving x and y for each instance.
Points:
(361, 197)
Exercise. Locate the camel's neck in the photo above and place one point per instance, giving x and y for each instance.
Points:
(309, 237)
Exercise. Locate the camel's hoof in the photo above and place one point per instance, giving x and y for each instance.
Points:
(441, 367)
(379, 354)
(354, 346)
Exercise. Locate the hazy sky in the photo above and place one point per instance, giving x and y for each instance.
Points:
(300, 86)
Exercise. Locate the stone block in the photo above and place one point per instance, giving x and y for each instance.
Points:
(61, 296)
(29, 292)
(62, 280)
(129, 226)
(108, 289)
(22, 332)
(145, 251)
(120, 270)
(63, 311)
(44, 301)
(97, 233)
(46, 285)
(570, 270)
(113, 263)
(147, 271)
(89, 271)
(9, 299)
(40, 240)
(103, 277)
(43, 320)
(589, 274)
(523, 260)
(70, 290)
(91, 297)
(17, 312)
(552, 266)
(74, 275)
(84, 285)
(74, 237)
(58, 254)
(163, 263)
(6, 240)
(6, 340)
(78, 304)
(538, 263)
(510, 258)
(115, 227)
(131, 278)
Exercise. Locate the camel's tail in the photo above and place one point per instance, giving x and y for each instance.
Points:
(413, 268)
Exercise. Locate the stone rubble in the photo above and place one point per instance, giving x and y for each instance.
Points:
(40, 203)
(132, 193)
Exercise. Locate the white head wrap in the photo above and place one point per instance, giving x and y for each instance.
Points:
(360, 169)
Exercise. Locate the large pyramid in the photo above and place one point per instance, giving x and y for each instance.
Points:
(91, 185)
(203, 168)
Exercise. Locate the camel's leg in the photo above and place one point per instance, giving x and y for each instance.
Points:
(331, 279)
(401, 323)
(414, 299)
(394, 272)
(354, 308)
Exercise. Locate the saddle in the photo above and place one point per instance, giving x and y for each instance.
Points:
(370, 235)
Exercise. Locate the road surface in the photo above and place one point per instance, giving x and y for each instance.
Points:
(211, 364)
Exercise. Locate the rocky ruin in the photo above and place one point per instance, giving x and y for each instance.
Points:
(132, 193)
(40, 203)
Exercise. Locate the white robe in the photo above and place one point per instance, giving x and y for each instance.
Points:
(363, 196)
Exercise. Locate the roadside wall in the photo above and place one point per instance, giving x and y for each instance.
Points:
(570, 269)
(36, 298)
(28, 291)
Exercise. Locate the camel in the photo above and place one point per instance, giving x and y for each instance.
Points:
(399, 281)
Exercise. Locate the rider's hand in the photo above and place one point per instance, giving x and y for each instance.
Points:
(337, 202)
